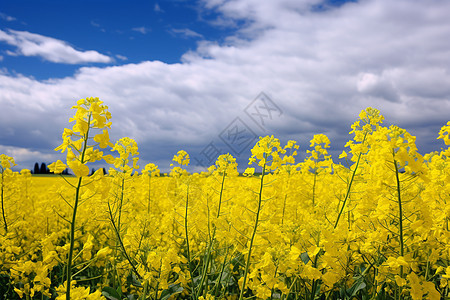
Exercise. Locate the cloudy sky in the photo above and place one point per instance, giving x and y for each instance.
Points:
(209, 76)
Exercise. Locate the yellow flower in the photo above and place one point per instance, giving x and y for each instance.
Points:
(249, 172)
(6, 162)
(151, 170)
(400, 281)
(108, 158)
(343, 155)
(416, 287)
(103, 139)
(444, 133)
(79, 169)
(182, 157)
(57, 167)
(447, 273)
(311, 273)
(97, 295)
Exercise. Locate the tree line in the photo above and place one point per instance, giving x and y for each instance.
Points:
(43, 169)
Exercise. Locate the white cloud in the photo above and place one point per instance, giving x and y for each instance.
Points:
(6, 17)
(185, 33)
(377, 86)
(320, 67)
(97, 25)
(121, 57)
(54, 50)
(157, 8)
(26, 157)
(143, 30)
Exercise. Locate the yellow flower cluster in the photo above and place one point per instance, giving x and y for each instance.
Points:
(90, 115)
(377, 228)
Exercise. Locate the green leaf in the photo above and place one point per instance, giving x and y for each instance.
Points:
(110, 293)
(132, 279)
(172, 290)
(356, 287)
(304, 257)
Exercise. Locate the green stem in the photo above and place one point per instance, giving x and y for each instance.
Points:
(157, 283)
(74, 214)
(400, 210)
(315, 282)
(273, 287)
(349, 186)
(145, 290)
(221, 273)
(221, 192)
(290, 288)
(314, 188)
(285, 197)
(122, 246)
(348, 191)
(149, 190)
(188, 253)
(254, 229)
(5, 225)
(122, 189)
(208, 260)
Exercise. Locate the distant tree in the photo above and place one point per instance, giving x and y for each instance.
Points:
(36, 168)
(104, 171)
(92, 171)
(43, 169)
(65, 172)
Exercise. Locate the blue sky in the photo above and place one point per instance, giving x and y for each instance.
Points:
(187, 74)
(127, 32)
